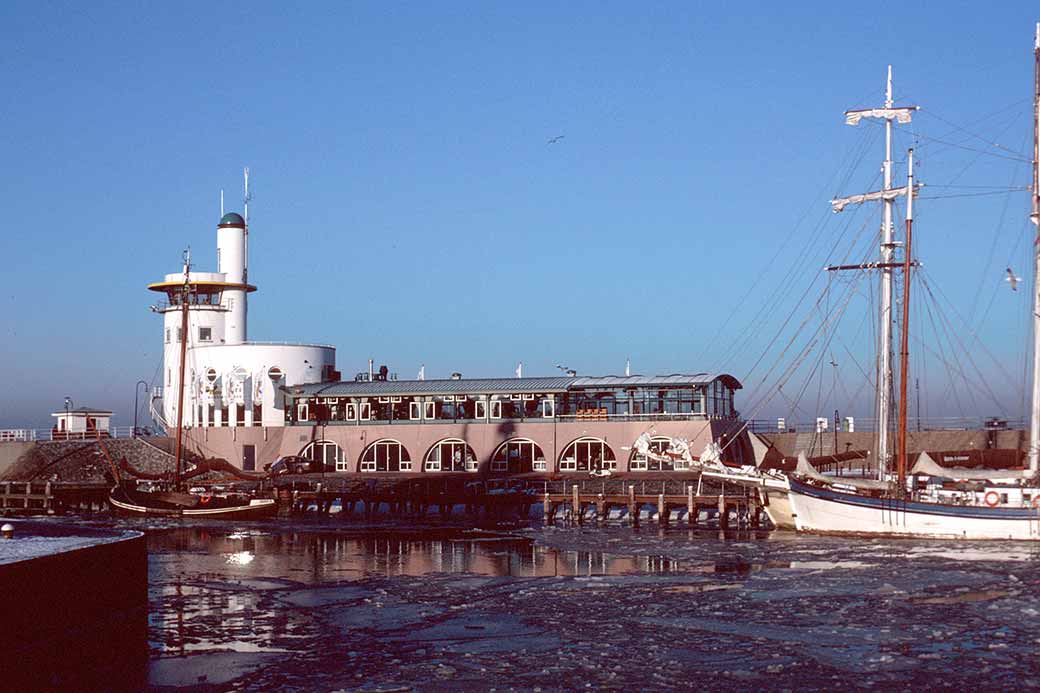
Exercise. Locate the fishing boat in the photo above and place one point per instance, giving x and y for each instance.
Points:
(925, 500)
(171, 499)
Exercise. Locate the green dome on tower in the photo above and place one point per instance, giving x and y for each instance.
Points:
(232, 219)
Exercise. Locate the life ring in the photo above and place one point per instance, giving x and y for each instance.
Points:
(205, 499)
(992, 499)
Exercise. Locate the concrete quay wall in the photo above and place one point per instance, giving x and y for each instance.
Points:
(74, 619)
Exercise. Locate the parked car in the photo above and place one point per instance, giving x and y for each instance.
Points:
(292, 464)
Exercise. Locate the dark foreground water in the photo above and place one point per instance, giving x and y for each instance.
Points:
(332, 606)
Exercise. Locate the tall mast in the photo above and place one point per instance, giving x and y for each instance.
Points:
(887, 195)
(245, 212)
(904, 351)
(1034, 416)
(185, 295)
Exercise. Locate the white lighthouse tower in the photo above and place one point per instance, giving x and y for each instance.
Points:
(229, 380)
(231, 262)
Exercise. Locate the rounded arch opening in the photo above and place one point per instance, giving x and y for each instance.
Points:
(518, 456)
(588, 455)
(386, 455)
(451, 455)
(326, 453)
(660, 457)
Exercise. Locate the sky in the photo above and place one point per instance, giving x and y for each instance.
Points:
(408, 206)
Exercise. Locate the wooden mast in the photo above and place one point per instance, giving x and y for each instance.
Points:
(185, 295)
(1034, 415)
(904, 352)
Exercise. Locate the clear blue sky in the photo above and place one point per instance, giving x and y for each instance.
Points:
(407, 206)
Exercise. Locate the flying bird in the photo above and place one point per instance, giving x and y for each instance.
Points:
(1012, 279)
(554, 140)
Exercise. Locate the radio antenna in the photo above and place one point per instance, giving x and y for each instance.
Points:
(245, 213)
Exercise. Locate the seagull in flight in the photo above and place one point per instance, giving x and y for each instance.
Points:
(1012, 279)
(554, 140)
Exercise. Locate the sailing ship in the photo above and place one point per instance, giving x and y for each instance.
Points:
(175, 501)
(926, 500)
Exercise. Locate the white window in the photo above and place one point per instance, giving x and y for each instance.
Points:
(481, 409)
(302, 411)
(167, 335)
(415, 410)
(587, 455)
(386, 456)
(518, 456)
(350, 412)
(452, 455)
(496, 409)
(178, 335)
(365, 411)
(205, 334)
(429, 410)
(548, 408)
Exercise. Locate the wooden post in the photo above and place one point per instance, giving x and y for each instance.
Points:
(633, 509)
(662, 510)
(575, 504)
(601, 508)
(546, 509)
(691, 507)
(723, 515)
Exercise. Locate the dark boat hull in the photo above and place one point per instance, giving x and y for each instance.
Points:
(140, 506)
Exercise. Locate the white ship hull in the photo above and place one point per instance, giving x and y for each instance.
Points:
(829, 511)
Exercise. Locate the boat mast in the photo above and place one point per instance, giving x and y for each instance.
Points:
(887, 195)
(1034, 416)
(185, 294)
(904, 351)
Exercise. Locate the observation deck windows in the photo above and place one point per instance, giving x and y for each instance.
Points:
(205, 334)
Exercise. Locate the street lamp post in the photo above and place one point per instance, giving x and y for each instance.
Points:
(136, 390)
(68, 405)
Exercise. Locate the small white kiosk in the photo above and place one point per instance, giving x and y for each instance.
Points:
(83, 422)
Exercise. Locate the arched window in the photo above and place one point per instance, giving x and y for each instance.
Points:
(327, 453)
(386, 456)
(658, 460)
(518, 456)
(587, 455)
(451, 455)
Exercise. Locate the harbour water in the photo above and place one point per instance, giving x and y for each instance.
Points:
(324, 605)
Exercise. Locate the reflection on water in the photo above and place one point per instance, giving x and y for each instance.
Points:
(321, 556)
(236, 590)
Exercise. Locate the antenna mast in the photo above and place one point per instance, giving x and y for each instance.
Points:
(887, 195)
(1034, 416)
(245, 214)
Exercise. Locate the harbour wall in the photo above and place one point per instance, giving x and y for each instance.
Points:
(74, 619)
(827, 443)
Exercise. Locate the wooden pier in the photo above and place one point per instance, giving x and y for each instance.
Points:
(575, 501)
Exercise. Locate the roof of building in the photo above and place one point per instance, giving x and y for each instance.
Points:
(488, 386)
(653, 380)
(83, 410)
(232, 219)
